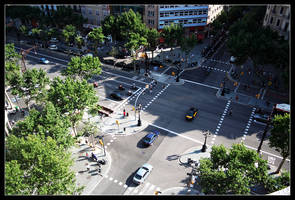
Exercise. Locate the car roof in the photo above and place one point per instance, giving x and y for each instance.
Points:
(141, 171)
(146, 165)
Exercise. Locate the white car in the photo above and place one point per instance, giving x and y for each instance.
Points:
(89, 54)
(53, 40)
(44, 60)
(142, 173)
(52, 47)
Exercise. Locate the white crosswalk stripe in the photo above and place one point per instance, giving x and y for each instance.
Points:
(145, 189)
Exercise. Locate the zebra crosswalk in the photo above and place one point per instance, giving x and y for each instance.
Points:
(144, 189)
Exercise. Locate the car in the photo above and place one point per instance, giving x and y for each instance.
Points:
(261, 117)
(150, 138)
(142, 173)
(44, 60)
(116, 95)
(191, 114)
(53, 40)
(88, 54)
(52, 47)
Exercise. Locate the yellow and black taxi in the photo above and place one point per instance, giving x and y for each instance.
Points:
(191, 114)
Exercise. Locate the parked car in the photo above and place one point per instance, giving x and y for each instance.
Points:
(142, 173)
(116, 95)
(53, 40)
(52, 47)
(261, 117)
(151, 137)
(44, 60)
(191, 114)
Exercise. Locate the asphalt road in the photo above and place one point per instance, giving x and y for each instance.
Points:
(165, 108)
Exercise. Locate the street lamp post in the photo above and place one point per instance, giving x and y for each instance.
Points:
(207, 133)
(139, 120)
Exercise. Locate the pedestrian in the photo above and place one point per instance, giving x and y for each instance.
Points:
(127, 114)
(87, 167)
(124, 113)
(237, 97)
(230, 111)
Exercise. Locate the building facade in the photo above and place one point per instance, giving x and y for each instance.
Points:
(95, 13)
(151, 15)
(277, 17)
(213, 12)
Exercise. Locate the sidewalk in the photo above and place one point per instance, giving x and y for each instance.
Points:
(90, 179)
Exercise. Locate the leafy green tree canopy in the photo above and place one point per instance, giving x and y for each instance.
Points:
(231, 171)
(37, 165)
(83, 67)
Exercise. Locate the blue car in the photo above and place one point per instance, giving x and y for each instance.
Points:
(150, 138)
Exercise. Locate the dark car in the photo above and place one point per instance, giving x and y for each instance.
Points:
(116, 95)
(156, 62)
(261, 117)
(150, 138)
(191, 114)
(109, 61)
(120, 64)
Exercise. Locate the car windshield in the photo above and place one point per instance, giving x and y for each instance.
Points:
(138, 176)
(145, 168)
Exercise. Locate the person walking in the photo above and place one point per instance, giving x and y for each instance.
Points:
(230, 112)
(87, 167)
(124, 113)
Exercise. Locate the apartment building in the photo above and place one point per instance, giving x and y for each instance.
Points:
(95, 13)
(119, 9)
(151, 15)
(277, 17)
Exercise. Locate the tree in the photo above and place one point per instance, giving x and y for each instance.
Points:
(83, 67)
(79, 41)
(135, 41)
(31, 85)
(36, 32)
(40, 164)
(231, 171)
(279, 138)
(71, 97)
(47, 122)
(131, 22)
(153, 37)
(14, 181)
(276, 183)
(186, 45)
(110, 27)
(97, 37)
(69, 33)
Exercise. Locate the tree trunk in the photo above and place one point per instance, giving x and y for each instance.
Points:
(280, 166)
(152, 56)
(74, 128)
(8, 99)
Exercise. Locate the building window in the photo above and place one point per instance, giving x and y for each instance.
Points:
(204, 12)
(286, 26)
(190, 12)
(186, 13)
(278, 22)
(180, 13)
(90, 12)
(97, 13)
(282, 9)
(161, 14)
(176, 13)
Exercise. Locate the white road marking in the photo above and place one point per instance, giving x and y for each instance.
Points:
(201, 84)
(177, 134)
